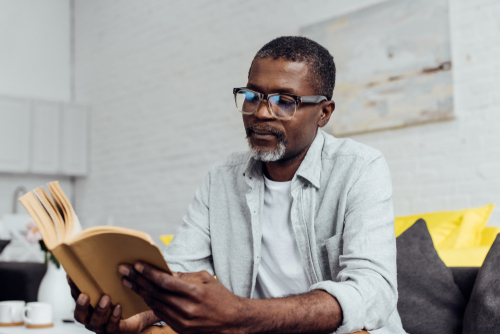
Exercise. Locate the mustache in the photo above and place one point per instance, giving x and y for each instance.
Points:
(264, 127)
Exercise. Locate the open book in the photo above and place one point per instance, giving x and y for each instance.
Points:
(91, 257)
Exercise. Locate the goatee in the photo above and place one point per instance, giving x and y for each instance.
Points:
(264, 154)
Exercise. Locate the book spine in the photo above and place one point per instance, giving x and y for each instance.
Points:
(77, 272)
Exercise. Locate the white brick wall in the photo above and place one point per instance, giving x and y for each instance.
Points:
(159, 75)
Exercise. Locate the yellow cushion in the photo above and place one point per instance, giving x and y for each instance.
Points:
(451, 229)
(469, 257)
(488, 235)
(460, 237)
(166, 238)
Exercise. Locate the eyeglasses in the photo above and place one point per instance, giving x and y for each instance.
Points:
(281, 106)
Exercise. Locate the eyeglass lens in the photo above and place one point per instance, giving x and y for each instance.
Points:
(281, 105)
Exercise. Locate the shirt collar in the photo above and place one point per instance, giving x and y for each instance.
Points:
(309, 169)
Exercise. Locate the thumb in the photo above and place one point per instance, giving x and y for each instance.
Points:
(132, 325)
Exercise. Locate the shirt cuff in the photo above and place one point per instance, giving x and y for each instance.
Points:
(350, 302)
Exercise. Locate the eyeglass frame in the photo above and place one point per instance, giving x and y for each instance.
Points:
(297, 98)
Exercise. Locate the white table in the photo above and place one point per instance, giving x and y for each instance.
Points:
(59, 328)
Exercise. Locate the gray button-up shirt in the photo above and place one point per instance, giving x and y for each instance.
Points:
(343, 221)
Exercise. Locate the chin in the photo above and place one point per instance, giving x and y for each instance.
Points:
(266, 154)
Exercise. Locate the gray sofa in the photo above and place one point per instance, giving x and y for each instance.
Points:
(434, 298)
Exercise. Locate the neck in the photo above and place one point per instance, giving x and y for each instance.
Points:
(284, 170)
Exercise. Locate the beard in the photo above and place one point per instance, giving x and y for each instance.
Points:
(265, 154)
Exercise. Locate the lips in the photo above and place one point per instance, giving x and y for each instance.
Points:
(262, 134)
(264, 131)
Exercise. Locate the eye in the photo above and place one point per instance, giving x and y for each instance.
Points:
(249, 96)
(283, 100)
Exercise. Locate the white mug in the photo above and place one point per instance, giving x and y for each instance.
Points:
(11, 312)
(37, 314)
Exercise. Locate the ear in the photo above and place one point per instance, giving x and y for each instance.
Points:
(326, 109)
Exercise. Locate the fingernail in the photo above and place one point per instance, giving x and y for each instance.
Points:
(123, 270)
(139, 267)
(82, 299)
(116, 311)
(127, 284)
(104, 302)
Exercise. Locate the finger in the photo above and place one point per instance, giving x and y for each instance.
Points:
(152, 295)
(132, 277)
(114, 320)
(99, 316)
(133, 280)
(172, 317)
(162, 279)
(143, 288)
(179, 305)
(199, 277)
(82, 309)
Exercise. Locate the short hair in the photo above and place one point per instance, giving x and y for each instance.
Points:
(301, 49)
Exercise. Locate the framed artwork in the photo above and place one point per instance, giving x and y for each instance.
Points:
(393, 64)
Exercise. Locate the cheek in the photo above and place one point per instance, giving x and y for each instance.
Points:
(302, 130)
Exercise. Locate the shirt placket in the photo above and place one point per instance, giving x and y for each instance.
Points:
(301, 232)
(255, 199)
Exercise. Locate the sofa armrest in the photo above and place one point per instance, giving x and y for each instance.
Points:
(20, 280)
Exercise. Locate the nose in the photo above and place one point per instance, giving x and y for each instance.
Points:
(262, 111)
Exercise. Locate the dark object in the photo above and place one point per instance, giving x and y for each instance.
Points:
(483, 311)
(3, 243)
(20, 280)
(464, 278)
(429, 300)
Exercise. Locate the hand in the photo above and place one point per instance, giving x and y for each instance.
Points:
(99, 320)
(188, 302)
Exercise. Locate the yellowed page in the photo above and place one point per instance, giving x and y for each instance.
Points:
(53, 216)
(102, 253)
(54, 206)
(41, 219)
(62, 209)
(69, 213)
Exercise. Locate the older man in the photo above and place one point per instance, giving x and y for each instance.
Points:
(299, 230)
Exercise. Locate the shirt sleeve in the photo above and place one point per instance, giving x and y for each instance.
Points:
(366, 285)
(190, 250)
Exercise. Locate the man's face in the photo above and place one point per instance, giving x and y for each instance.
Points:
(271, 139)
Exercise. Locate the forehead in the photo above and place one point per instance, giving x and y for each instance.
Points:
(269, 75)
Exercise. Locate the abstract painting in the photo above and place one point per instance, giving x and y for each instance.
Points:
(393, 65)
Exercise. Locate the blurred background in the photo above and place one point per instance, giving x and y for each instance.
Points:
(128, 103)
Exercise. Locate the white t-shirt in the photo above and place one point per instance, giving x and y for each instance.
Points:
(281, 271)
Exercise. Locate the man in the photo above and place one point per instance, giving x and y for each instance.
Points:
(298, 231)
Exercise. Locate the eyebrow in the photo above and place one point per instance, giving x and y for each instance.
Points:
(279, 90)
